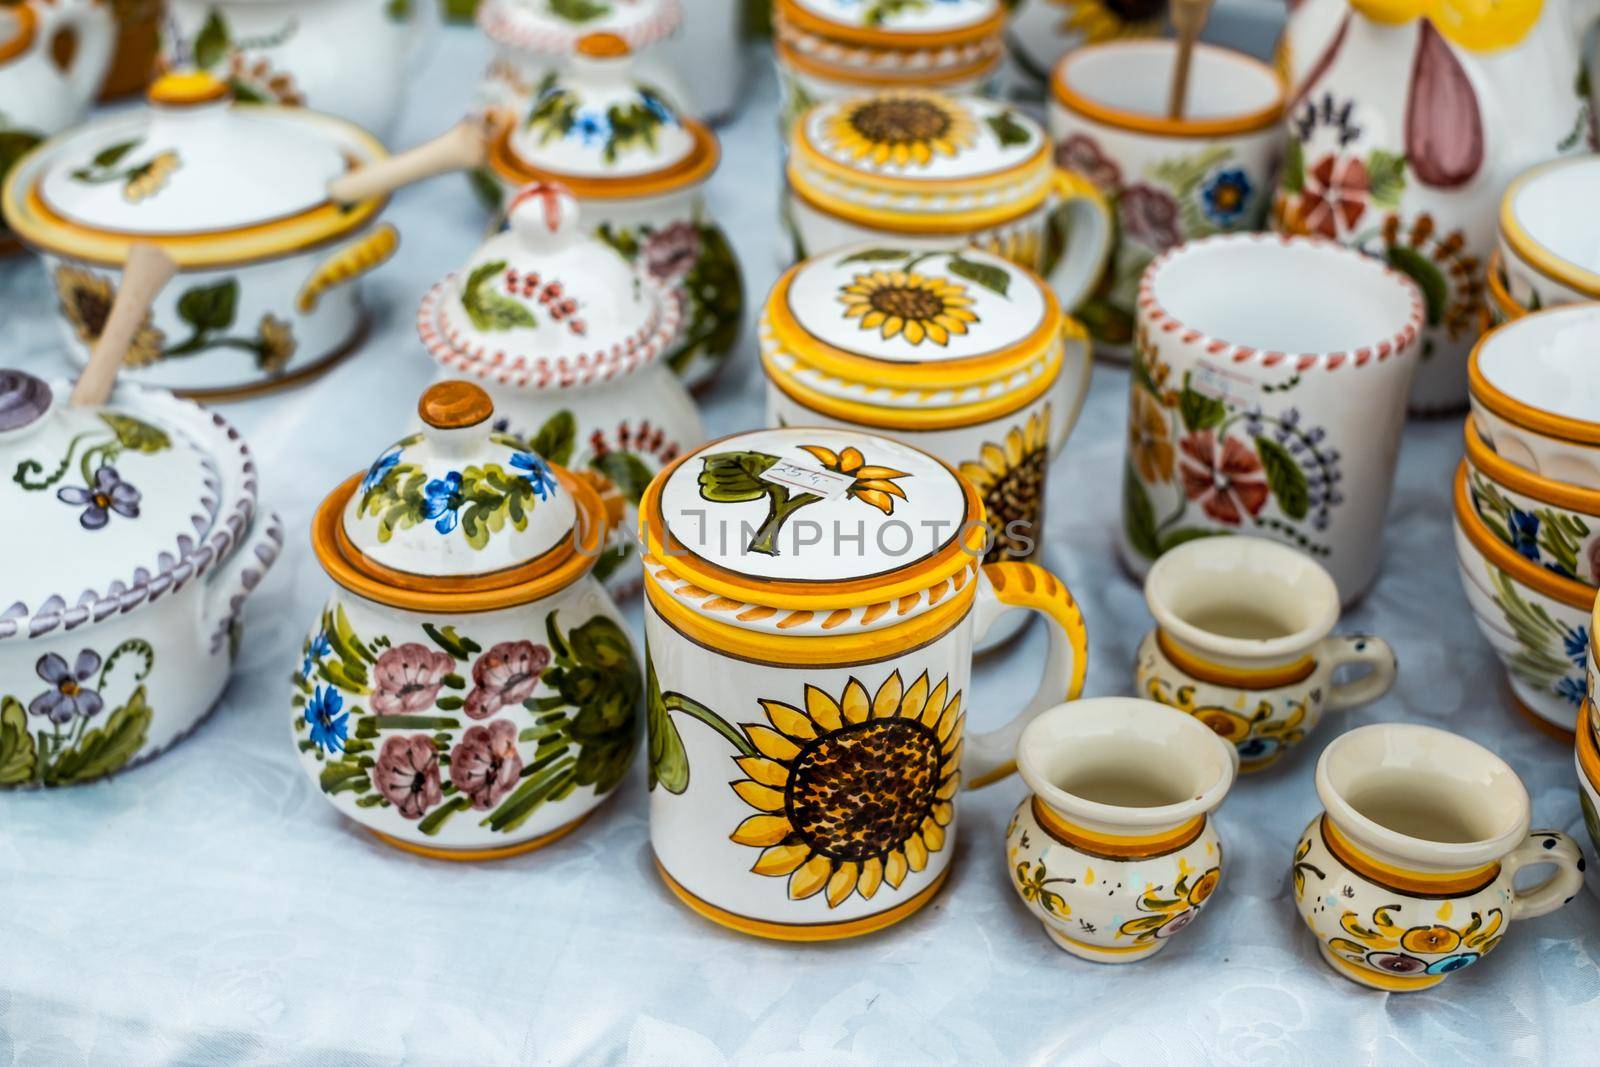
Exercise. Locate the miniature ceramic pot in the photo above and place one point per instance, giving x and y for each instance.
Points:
(1404, 133)
(1241, 643)
(133, 538)
(641, 181)
(711, 43)
(1040, 32)
(263, 297)
(1549, 238)
(922, 170)
(469, 691)
(1551, 524)
(1503, 308)
(1408, 874)
(1114, 852)
(832, 49)
(1262, 405)
(812, 600)
(1536, 621)
(1534, 394)
(567, 338)
(1167, 180)
(1587, 757)
(349, 58)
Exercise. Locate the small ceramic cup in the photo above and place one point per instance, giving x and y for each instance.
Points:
(1114, 851)
(1550, 235)
(1241, 643)
(1167, 180)
(1551, 524)
(1409, 873)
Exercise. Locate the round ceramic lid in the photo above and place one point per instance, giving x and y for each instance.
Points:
(547, 303)
(770, 512)
(457, 499)
(875, 19)
(553, 28)
(96, 499)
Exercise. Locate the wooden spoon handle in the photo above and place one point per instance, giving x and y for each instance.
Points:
(466, 144)
(1188, 19)
(144, 274)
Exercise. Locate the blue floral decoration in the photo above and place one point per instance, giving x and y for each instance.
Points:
(1571, 690)
(1453, 963)
(442, 501)
(1524, 529)
(591, 127)
(318, 648)
(1226, 196)
(330, 725)
(1577, 645)
(380, 467)
(657, 107)
(537, 472)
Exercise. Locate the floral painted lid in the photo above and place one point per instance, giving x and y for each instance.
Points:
(553, 28)
(922, 22)
(546, 304)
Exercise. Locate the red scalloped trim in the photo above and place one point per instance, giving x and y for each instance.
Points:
(508, 29)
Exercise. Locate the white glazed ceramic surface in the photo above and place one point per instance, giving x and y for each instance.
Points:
(711, 43)
(136, 540)
(1262, 404)
(1554, 525)
(1040, 32)
(1167, 181)
(1549, 238)
(1403, 137)
(1114, 851)
(1409, 874)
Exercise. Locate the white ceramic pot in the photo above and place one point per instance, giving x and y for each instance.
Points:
(1549, 237)
(133, 539)
(1409, 873)
(469, 691)
(349, 58)
(1261, 404)
(1551, 524)
(711, 43)
(813, 598)
(1166, 180)
(1040, 32)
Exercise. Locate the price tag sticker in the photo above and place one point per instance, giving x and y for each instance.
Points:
(804, 478)
(1228, 386)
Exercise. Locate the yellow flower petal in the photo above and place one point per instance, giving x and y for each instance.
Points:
(850, 460)
(894, 868)
(789, 720)
(951, 716)
(842, 884)
(759, 831)
(944, 812)
(825, 456)
(809, 879)
(765, 771)
(916, 697)
(932, 834)
(932, 713)
(822, 709)
(758, 796)
(914, 331)
(780, 860)
(892, 326)
(871, 877)
(887, 700)
(770, 742)
(881, 485)
(877, 498)
(916, 852)
(856, 703)
(870, 472)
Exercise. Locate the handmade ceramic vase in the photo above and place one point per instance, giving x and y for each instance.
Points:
(469, 691)
(1408, 875)
(133, 538)
(238, 196)
(1551, 524)
(350, 58)
(711, 43)
(1040, 32)
(1242, 643)
(1549, 244)
(568, 339)
(922, 170)
(1166, 180)
(1114, 851)
(832, 49)
(1263, 404)
(639, 170)
(812, 601)
(1406, 129)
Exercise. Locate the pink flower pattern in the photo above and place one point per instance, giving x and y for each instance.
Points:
(485, 764)
(506, 674)
(407, 774)
(1149, 216)
(1225, 485)
(407, 679)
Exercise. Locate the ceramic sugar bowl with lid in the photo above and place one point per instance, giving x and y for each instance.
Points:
(570, 340)
(813, 598)
(469, 690)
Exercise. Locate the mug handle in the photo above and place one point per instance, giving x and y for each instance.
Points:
(93, 51)
(1354, 649)
(1088, 243)
(1545, 848)
(1002, 589)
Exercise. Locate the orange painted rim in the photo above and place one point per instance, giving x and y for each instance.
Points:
(1499, 295)
(1161, 125)
(1508, 475)
(691, 170)
(20, 41)
(964, 224)
(1588, 754)
(1401, 879)
(478, 855)
(1116, 847)
(801, 19)
(1233, 677)
(1526, 572)
(1515, 411)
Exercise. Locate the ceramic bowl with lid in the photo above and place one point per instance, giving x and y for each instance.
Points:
(638, 168)
(238, 196)
(1549, 244)
(919, 169)
(813, 595)
(469, 690)
(133, 537)
(569, 339)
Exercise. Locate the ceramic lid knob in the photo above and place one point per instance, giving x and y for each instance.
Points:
(188, 88)
(544, 215)
(450, 412)
(23, 400)
(603, 46)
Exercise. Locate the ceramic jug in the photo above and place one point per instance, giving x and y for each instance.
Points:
(1407, 127)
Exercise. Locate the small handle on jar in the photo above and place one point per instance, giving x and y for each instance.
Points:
(91, 54)
(1360, 649)
(1087, 237)
(1002, 589)
(464, 145)
(1545, 848)
(360, 256)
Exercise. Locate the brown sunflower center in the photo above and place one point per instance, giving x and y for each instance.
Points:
(907, 302)
(93, 310)
(1014, 503)
(900, 121)
(863, 790)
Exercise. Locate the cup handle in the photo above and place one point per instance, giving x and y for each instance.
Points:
(1002, 589)
(1074, 336)
(1545, 848)
(1088, 229)
(1351, 649)
(41, 23)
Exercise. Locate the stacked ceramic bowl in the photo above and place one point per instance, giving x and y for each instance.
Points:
(1549, 243)
(1527, 504)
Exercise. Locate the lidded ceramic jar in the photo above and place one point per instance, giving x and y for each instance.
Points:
(813, 599)
(569, 340)
(913, 168)
(133, 537)
(827, 49)
(639, 168)
(469, 691)
(238, 196)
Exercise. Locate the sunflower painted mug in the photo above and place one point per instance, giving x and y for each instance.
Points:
(813, 596)
(1241, 643)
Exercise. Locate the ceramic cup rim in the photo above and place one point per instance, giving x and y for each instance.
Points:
(1526, 247)
(1260, 552)
(1513, 478)
(1448, 855)
(1583, 433)
(1125, 712)
(1524, 572)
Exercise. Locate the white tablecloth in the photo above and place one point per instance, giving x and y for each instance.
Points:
(212, 907)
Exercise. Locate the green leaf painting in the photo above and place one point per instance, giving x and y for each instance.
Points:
(1386, 177)
(989, 275)
(1007, 130)
(59, 738)
(1285, 478)
(492, 311)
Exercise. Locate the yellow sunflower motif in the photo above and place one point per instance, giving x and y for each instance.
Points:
(1167, 912)
(901, 128)
(85, 299)
(1022, 247)
(1010, 477)
(1108, 20)
(276, 338)
(873, 485)
(853, 793)
(918, 307)
(150, 178)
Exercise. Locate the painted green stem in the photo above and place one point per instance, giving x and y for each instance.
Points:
(699, 712)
